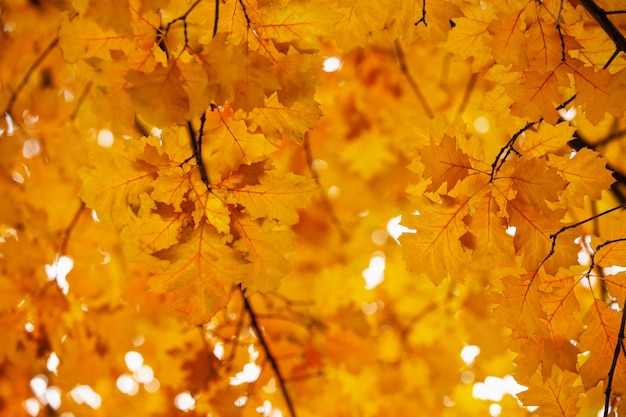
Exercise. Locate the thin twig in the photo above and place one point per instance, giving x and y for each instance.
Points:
(423, 18)
(405, 70)
(29, 73)
(506, 150)
(325, 200)
(601, 17)
(619, 347)
(217, 17)
(268, 353)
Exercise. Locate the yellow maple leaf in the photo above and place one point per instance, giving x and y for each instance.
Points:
(435, 248)
(264, 244)
(275, 197)
(586, 173)
(444, 163)
(200, 274)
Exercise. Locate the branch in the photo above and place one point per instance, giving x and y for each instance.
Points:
(619, 347)
(405, 70)
(327, 205)
(508, 148)
(601, 17)
(268, 353)
(196, 146)
(28, 74)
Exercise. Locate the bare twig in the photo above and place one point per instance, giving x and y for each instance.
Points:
(268, 353)
(619, 348)
(29, 73)
(423, 18)
(601, 17)
(325, 200)
(405, 70)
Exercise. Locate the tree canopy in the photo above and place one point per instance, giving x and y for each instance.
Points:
(293, 208)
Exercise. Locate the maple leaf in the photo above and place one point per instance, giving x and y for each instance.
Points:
(275, 197)
(599, 338)
(444, 163)
(435, 248)
(200, 273)
(556, 397)
(264, 245)
(276, 120)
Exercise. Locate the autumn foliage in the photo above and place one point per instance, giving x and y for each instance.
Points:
(312, 208)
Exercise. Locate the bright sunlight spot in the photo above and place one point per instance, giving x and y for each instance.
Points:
(127, 385)
(53, 363)
(268, 410)
(58, 270)
(29, 327)
(241, 401)
(495, 410)
(105, 138)
(31, 406)
(144, 374)
(156, 132)
(375, 273)
(395, 229)
(568, 114)
(494, 388)
(481, 124)
(53, 397)
(469, 353)
(184, 401)
(39, 384)
(31, 148)
(9, 120)
(134, 360)
(332, 64)
(84, 394)
(218, 350)
(511, 230)
(250, 373)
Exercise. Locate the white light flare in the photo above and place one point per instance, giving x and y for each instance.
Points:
(395, 229)
(469, 353)
(105, 138)
(332, 64)
(374, 275)
(494, 388)
(84, 394)
(185, 401)
(58, 271)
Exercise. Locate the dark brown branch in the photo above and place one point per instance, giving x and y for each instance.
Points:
(29, 73)
(554, 236)
(196, 146)
(268, 353)
(217, 17)
(68, 230)
(601, 17)
(619, 348)
(506, 150)
(245, 13)
(423, 18)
